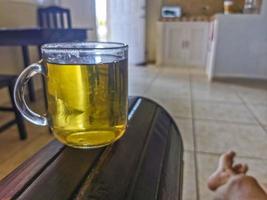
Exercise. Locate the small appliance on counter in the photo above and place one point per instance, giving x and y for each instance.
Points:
(171, 12)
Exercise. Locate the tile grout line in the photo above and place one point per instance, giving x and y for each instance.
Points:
(153, 79)
(216, 120)
(226, 122)
(217, 101)
(194, 137)
(219, 154)
(252, 113)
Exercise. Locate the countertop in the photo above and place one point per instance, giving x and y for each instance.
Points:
(188, 19)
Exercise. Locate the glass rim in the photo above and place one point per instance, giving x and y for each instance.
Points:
(83, 46)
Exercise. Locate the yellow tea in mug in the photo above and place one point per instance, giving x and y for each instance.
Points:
(87, 104)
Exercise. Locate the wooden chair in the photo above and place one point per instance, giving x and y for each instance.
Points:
(8, 81)
(54, 17)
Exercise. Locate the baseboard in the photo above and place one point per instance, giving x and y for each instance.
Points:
(221, 78)
(249, 82)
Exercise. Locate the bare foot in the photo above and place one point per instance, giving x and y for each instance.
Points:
(225, 170)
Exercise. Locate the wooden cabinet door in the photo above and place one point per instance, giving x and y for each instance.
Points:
(174, 38)
(196, 44)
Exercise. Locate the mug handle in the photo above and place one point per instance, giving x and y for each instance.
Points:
(19, 94)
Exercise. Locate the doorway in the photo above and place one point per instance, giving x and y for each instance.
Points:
(123, 21)
(101, 20)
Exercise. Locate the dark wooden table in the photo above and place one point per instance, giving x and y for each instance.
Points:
(145, 164)
(36, 37)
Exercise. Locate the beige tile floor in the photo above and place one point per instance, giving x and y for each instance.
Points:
(212, 117)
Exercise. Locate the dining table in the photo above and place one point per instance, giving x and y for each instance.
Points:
(35, 36)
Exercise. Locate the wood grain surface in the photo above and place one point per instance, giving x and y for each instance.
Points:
(146, 163)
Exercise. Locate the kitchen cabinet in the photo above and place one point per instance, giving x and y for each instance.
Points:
(182, 43)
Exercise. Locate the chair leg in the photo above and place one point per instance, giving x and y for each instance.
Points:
(18, 116)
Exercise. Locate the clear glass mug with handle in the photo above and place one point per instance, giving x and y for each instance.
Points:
(86, 90)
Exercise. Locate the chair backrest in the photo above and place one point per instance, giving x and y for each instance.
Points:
(54, 17)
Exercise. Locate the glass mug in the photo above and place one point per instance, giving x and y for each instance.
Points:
(86, 90)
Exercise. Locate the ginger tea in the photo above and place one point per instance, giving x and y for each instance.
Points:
(87, 103)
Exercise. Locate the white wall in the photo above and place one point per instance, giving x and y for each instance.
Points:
(39, 2)
(241, 46)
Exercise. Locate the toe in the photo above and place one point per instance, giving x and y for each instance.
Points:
(218, 179)
(244, 169)
(227, 160)
(240, 168)
(230, 154)
(237, 168)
